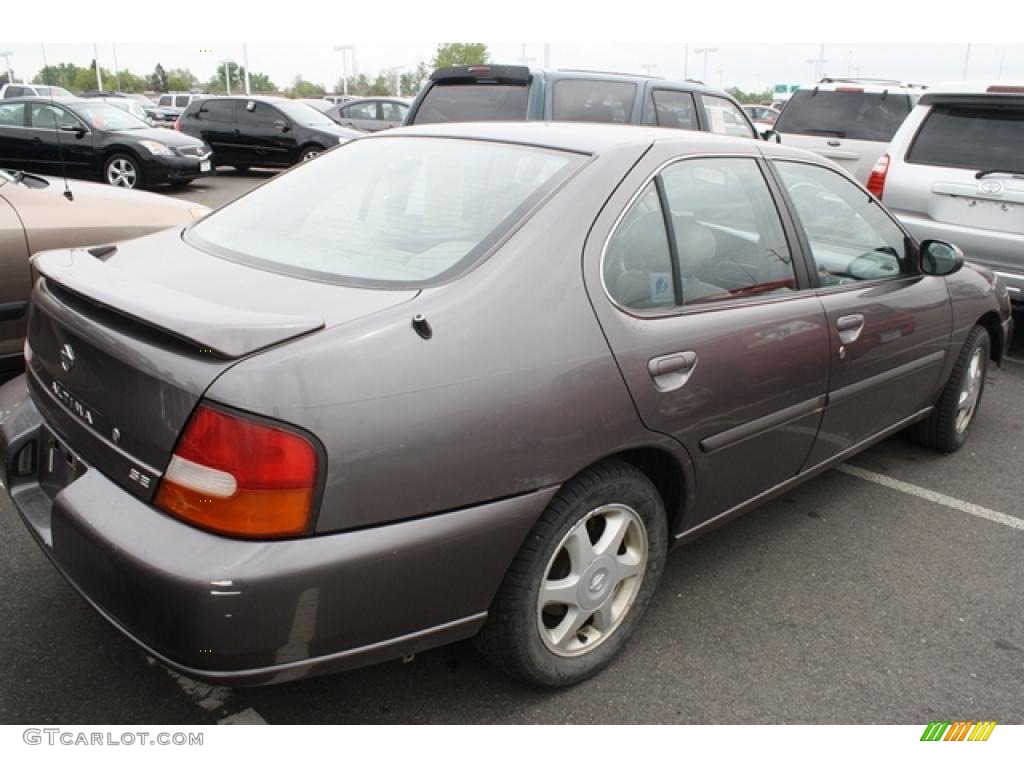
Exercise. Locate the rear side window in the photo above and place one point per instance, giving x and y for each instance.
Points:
(366, 111)
(971, 136)
(844, 114)
(593, 101)
(671, 109)
(12, 114)
(215, 111)
(726, 118)
(469, 102)
(14, 90)
(181, 101)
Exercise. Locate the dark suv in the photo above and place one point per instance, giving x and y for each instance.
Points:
(466, 94)
(261, 131)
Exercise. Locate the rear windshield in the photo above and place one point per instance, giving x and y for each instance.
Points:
(411, 210)
(973, 137)
(593, 101)
(844, 114)
(470, 102)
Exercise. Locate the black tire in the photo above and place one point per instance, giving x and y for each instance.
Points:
(181, 182)
(116, 166)
(512, 635)
(942, 431)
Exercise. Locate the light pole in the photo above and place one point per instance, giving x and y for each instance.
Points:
(227, 74)
(721, 79)
(705, 51)
(967, 58)
(686, 61)
(245, 63)
(117, 73)
(648, 67)
(819, 63)
(96, 59)
(345, 50)
(7, 62)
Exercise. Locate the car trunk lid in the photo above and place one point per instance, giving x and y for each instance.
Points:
(123, 349)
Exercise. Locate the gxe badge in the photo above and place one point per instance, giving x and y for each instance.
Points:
(67, 358)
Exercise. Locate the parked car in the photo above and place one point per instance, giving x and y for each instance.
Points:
(849, 121)
(91, 139)
(18, 90)
(759, 113)
(36, 216)
(261, 131)
(320, 105)
(130, 106)
(170, 105)
(479, 387)
(370, 115)
(955, 169)
(137, 104)
(461, 94)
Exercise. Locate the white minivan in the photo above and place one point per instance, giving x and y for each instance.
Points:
(848, 121)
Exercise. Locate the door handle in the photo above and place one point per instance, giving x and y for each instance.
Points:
(672, 371)
(36, 140)
(833, 142)
(850, 327)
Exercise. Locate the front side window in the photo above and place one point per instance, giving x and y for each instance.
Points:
(974, 137)
(394, 113)
(166, 101)
(49, 116)
(725, 118)
(593, 101)
(217, 111)
(257, 115)
(852, 239)
(181, 101)
(671, 109)
(411, 211)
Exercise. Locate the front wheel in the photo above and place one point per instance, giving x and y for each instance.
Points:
(946, 428)
(122, 170)
(582, 580)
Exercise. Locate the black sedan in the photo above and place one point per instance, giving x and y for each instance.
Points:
(92, 139)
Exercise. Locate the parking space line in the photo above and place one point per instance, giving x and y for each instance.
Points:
(246, 717)
(933, 496)
(211, 698)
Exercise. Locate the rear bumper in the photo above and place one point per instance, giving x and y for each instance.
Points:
(247, 613)
(1002, 252)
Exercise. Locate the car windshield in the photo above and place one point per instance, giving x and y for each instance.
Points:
(107, 117)
(411, 210)
(131, 107)
(303, 114)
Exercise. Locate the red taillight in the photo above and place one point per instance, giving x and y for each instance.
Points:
(876, 181)
(849, 89)
(240, 477)
(1005, 89)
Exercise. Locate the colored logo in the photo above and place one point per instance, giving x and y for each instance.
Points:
(958, 730)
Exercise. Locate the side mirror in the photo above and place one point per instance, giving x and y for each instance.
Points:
(770, 134)
(78, 130)
(940, 258)
(282, 126)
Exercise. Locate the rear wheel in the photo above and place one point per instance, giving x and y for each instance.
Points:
(122, 170)
(308, 153)
(947, 427)
(581, 581)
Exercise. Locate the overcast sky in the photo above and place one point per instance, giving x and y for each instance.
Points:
(748, 66)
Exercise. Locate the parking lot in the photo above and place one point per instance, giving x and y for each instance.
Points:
(854, 599)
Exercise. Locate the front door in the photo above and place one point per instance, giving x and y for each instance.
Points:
(889, 325)
(707, 311)
(56, 150)
(14, 136)
(266, 136)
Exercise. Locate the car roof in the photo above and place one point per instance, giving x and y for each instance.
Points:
(977, 88)
(594, 138)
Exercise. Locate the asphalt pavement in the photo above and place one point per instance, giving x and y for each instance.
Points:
(846, 601)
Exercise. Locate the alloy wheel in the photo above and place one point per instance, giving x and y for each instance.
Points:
(967, 403)
(121, 172)
(592, 580)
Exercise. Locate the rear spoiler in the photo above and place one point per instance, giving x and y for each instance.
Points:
(227, 331)
(483, 73)
(979, 99)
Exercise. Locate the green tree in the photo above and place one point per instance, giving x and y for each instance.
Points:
(303, 89)
(261, 83)
(460, 55)
(181, 80)
(411, 82)
(382, 86)
(57, 74)
(128, 82)
(158, 80)
(752, 97)
(85, 79)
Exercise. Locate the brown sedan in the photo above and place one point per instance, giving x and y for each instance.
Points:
(480, 388)
(36, 216)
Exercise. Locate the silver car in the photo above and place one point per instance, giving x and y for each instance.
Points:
(955, 170)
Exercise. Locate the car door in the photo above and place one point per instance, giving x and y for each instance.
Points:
(706, 309)
(889, 325)
(56, 148)
(265, 135)
(363, 116)
(216, 123)
(15, 147)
